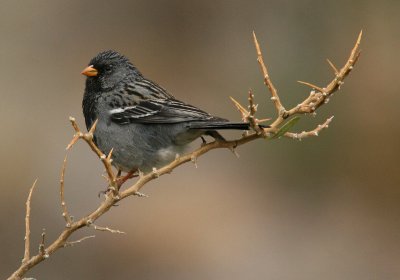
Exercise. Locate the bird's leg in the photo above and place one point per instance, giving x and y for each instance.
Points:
(216, 135)
(204, 142)
(122, 179)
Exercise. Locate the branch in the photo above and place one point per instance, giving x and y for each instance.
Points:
(72, 243)
(65, 213)
(314, 132)
(317, 97)
(88, 138)
(267, 80)
(27, 224)
(99, 228)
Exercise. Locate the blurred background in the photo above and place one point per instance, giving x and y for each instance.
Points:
(323, 208)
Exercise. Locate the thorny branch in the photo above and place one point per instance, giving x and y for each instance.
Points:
(317, 97)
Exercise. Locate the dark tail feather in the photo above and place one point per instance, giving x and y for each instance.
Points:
(220, 125)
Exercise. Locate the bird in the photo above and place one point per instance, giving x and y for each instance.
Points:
(144, 125)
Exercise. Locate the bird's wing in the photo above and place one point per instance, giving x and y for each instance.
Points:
(147, 102)
(161, 111)
(146, 88)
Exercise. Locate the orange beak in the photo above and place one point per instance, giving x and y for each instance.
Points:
(90, 71)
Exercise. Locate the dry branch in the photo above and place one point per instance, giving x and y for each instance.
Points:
(314, 132)
(267, 80)
(72, 243)
(65, 213)
(27, 224)
(317, 97)
(99, 228)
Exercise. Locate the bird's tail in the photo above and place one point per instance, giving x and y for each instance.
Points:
(221, 125)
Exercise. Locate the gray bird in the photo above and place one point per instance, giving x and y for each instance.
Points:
(144, 125)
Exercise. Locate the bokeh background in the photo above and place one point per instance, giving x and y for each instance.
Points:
(323, 208)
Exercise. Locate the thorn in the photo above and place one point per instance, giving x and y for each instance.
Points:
(263, 120)
(155, 172)
(194, 160)
(359, 37)
(105, 177)
(354, 54)
(141, 174)
(139, 194)
(311, 86)
(233, 150)
(241, 109)
(110, 154)
(73, 141)
(333, 66)
(256, 43)
(93, 128)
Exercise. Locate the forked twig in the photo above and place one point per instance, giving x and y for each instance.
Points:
(88, 138)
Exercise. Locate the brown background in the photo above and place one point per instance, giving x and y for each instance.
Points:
(323, 208)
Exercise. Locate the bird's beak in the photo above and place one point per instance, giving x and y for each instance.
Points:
(90, 71)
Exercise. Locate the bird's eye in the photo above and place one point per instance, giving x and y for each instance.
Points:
(108, 68)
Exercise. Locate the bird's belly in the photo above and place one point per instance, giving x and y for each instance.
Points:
(137, 146)
(127, 159)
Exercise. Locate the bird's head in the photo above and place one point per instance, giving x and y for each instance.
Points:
(107, 69)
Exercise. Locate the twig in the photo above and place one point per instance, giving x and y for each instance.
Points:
(314, 132)
(99, 228)
(316, 99)
(252, 114)
(240, 108)
(72, 243)
(267, 80)
(106, 160)
(312, 86)
(332, 66)
(65, 213)
(27, 224)
(42, 248)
